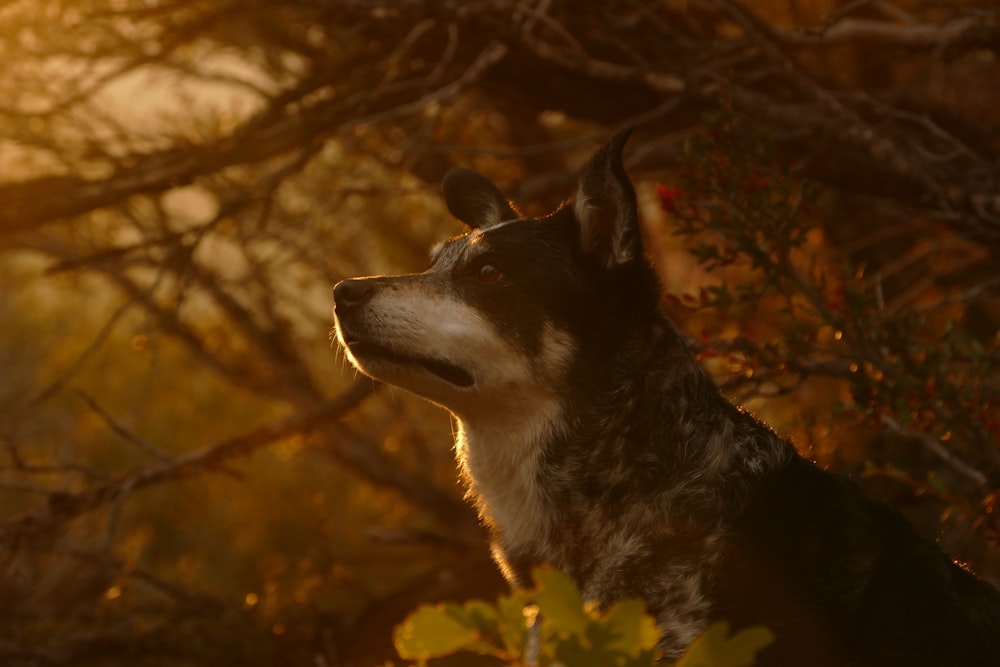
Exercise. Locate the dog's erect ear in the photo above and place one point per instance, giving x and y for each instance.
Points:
(475, 199)
(606, 209)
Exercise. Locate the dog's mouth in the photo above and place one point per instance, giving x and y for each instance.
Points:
(446, 371)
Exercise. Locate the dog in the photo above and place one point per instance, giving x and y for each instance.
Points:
(589, 438)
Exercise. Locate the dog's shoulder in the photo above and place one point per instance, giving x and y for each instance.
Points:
(812, 554)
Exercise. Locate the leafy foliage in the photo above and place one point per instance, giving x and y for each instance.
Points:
(550, 625)
(810, 316)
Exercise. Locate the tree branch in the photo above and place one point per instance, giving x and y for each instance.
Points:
(69, 505)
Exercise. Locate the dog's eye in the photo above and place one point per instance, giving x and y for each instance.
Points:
(488, 273)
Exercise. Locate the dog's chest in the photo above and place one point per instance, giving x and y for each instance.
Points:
(500, 461)
(533, 507)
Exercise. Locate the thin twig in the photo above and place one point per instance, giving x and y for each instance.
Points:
(207, 459)
(936, 447)
(116, 426)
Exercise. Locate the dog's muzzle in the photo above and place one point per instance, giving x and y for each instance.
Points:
(352, 292)
(350, 297)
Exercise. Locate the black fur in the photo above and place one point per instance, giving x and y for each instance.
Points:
(643, 480)
(832, 558)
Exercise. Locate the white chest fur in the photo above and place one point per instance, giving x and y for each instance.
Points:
(500, 458)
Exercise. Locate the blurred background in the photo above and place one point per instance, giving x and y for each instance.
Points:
(190, 474)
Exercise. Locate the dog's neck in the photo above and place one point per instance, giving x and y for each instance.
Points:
(499, 456)
(524, 462)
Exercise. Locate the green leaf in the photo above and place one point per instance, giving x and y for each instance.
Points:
(650, 658)
(714, 649)
(434, 631)
(571, 651)
(512, 623)
(633, 629)
(560, 602)
(485, 618)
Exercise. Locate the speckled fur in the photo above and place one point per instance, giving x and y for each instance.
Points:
(589, 438)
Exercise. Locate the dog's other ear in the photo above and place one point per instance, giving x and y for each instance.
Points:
(606, 209)
(475, 199)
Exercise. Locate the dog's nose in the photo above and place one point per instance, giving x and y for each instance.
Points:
(352, 292)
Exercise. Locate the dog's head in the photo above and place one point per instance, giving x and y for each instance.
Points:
(506, 310)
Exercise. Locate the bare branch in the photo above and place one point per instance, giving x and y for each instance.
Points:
(966, 32)
(120, 430)
(938, 449)
(205, 460)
